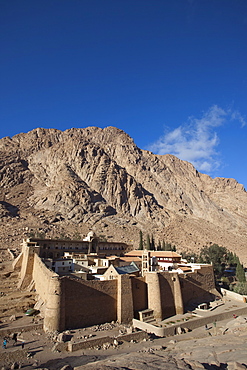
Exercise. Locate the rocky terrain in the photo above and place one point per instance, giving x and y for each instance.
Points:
(63, 184)
(199, 349)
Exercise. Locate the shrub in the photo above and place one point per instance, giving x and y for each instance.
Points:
(240, 288)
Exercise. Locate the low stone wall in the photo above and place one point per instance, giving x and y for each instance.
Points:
(190, 325)
(90, 343)
(233, 295)
(20, 329)
(138, 335)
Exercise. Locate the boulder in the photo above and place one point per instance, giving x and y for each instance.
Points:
(15, 365)
(179, 330)
(62, 337)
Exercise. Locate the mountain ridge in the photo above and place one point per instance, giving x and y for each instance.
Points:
(79, 179)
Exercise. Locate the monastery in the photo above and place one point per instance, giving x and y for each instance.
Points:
(87, 282)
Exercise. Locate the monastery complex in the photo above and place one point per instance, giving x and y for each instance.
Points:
(81, 283)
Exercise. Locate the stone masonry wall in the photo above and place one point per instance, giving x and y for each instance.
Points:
(167, 295)
(91, 343)
(139, 293)
(196, 286)
(72, 303)
(124, 299)
(26, 266)
(89, 302)
(42, 276)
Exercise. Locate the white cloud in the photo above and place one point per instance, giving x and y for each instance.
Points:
(197, 140)
(237, 116)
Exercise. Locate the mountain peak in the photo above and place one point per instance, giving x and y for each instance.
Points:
(98, 178)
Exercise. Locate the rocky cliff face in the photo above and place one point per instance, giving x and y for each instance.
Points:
(72, 181)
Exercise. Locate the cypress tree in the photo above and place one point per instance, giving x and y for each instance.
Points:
(152, 243)
(240, 274)
(168, 247)
(141, 241)
(148, 243)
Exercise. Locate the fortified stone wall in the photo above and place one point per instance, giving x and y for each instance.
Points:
(89, 302)
(71, 302)
(196, 286)
(124, 299)
(167, 298)
(26, 273)
(42, 277)
(139, 294)
(164, 294)
(154, 299)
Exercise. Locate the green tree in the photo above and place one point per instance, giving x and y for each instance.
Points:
(230, 258)
(240, 274)
(152, 245)
(241, 288)
(159, 246)
(190, 257)
(148, 245)
(214, 254)
(168, 246)
(141, 241)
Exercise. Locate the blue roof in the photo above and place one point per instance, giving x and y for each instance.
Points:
(129, 269)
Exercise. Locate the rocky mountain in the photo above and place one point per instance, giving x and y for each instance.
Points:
(66, 183)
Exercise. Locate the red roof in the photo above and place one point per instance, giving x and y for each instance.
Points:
(130, 258)
(159, 254)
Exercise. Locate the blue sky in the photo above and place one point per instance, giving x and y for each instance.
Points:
(172, 74)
